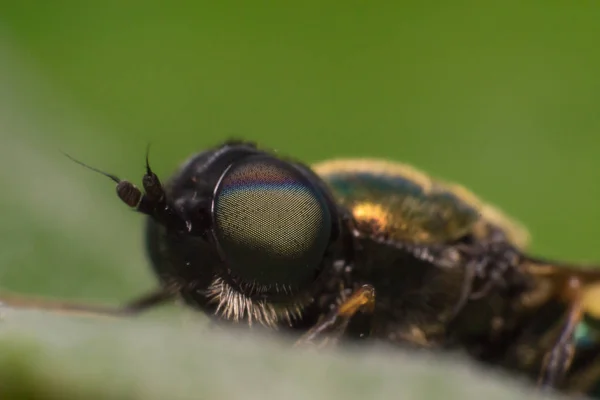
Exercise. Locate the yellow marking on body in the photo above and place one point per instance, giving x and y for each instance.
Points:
(373, 214)
(364, 297)
(591, 300)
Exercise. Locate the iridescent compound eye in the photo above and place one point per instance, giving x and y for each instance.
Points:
(271, 222)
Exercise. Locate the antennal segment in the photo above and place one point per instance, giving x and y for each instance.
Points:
(114, 178)
(151, 183)
(153, 202)
(127, 191)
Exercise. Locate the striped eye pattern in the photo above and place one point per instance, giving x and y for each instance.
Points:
(271, 223)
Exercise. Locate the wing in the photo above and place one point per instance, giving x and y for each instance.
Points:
(403, 203)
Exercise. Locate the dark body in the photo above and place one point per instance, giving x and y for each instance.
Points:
(448, 271)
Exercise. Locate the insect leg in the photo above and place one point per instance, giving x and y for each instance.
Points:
(558, 360)
(134, 307)
(586, 379)
(333, 325)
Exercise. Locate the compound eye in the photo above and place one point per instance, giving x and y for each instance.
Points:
(271, 222)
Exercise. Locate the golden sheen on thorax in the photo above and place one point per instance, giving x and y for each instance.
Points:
(400, 202)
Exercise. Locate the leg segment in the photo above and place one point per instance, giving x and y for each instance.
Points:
(332, 326)
(134, 307)
(558, 360)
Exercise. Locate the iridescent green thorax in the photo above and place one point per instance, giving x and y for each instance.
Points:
(404, 204)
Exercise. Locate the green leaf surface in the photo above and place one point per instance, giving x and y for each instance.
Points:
(45, 356)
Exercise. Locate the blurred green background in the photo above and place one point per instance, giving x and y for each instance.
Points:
(501, 97)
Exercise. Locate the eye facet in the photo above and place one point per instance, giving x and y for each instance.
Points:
(272, 223)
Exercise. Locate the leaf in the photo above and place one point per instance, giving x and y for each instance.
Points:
(48, 356)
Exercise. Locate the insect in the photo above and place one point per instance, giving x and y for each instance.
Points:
(359, 249)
